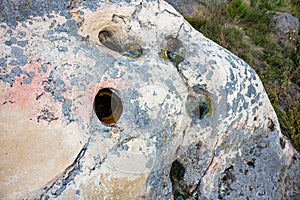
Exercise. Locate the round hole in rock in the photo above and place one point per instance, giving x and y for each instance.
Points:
(196, 107)
(110, 40)
(177, 171)
(175, 57)
(120, 43)
(104, 35)
(108, 106)
(174, 50)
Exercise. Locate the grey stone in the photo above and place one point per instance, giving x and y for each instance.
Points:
(285, 24)
(188, 8)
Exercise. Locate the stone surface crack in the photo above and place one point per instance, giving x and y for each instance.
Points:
(38, 96)
(98, 163)
(115, 18)
(205, 171)
(177, 35)
(59, 185)
(174, 14)
(185, 79)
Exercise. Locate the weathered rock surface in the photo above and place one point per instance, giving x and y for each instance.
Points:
(195, 123)
(286, 25)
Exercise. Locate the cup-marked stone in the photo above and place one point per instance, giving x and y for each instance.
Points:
(194, 120)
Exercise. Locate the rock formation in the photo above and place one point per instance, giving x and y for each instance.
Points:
(125, 100)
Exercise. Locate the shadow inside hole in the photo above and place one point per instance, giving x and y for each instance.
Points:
(196, 107)
(174, 50)
(108, 106)
(120, 43)
(199, 103)
(177, 172)
(110, 40)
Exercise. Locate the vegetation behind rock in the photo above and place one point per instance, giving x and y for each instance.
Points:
(243, 27)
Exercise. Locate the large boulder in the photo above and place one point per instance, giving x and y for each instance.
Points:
(125, 100)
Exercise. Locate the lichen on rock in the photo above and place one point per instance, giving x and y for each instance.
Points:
(186, 118)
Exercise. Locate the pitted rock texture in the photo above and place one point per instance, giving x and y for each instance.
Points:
(196, 122)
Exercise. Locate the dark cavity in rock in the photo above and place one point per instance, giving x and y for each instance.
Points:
(177, 172)
(108, 106)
